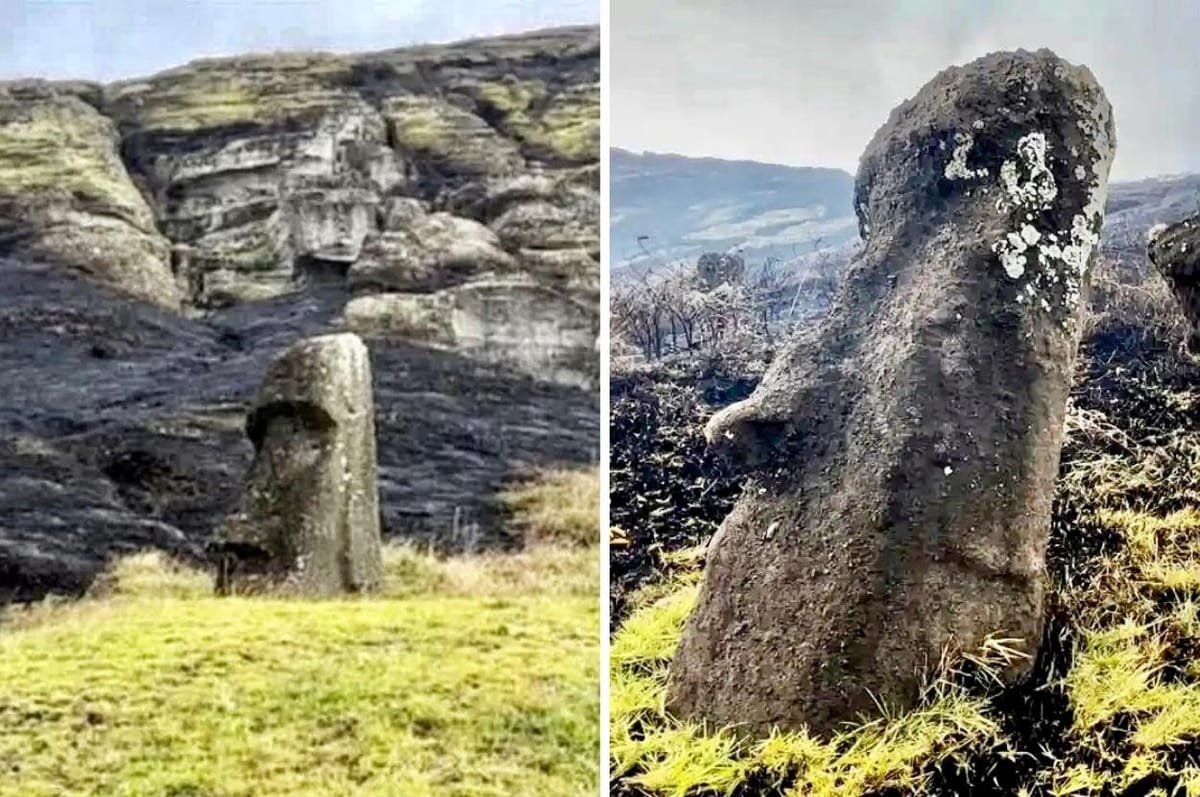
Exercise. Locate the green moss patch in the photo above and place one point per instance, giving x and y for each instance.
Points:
(564, 125)
(258, 90)
(452, 139)
(61, 147)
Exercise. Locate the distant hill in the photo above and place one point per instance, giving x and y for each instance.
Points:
(1136, 206)
(685, 206)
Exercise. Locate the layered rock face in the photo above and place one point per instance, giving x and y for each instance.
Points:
(1175, 252)
(162, 240)
(308, 522)
(66, 197)
(233, 180)
(902, 456)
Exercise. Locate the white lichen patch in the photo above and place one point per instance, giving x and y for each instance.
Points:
(1027, 184)
(1028, 187)
(1038, 189)
(957, 168)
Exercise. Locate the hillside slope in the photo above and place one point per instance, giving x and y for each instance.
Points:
(686, 206)
(161, 239)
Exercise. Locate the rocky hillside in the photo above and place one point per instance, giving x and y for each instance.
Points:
(161, 239)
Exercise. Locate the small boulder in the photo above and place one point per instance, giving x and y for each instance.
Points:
(1175, 252)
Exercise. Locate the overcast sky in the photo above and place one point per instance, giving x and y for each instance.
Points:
(807, 82)
(110, 39)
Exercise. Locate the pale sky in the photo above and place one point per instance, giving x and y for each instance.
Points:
(111, 39)
(808, 82)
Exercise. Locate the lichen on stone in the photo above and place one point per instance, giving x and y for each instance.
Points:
(957, 168)
(1062, 256)
(1038, 189)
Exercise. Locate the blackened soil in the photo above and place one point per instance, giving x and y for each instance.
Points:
(122, 427)
(667, 491)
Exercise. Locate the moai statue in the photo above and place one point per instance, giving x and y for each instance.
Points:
(308, 522)
(1175, 252)
(902, 457)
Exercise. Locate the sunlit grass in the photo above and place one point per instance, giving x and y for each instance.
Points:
(666, 756)
(474, 676)
(557, 506)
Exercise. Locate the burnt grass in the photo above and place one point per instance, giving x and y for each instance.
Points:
(668, 492)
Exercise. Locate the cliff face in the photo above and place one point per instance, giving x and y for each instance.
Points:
(160, 238)
(464, 167)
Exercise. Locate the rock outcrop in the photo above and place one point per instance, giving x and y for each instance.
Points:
(308, 522)
(515, 322)
(66, 197)
(903, 456)
(714, 268)
(255, 201)
(1175, 252)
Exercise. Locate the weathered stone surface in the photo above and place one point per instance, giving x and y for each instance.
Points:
(714, 268)
(65, 195)
(265, 165)
(545, 211)
(513, 321)
(429, 252)
(1175, 252)
(258, 208)
(308, 522)
(902, 456)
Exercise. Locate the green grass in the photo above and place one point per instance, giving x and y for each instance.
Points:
(667, 756)
(471, 677)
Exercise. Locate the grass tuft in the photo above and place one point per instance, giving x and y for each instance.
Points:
(557, 506)
(666, 756)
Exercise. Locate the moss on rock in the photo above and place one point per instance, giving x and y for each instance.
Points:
(562, 126)
(263, 90)
(454, 141)
(66, 197)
